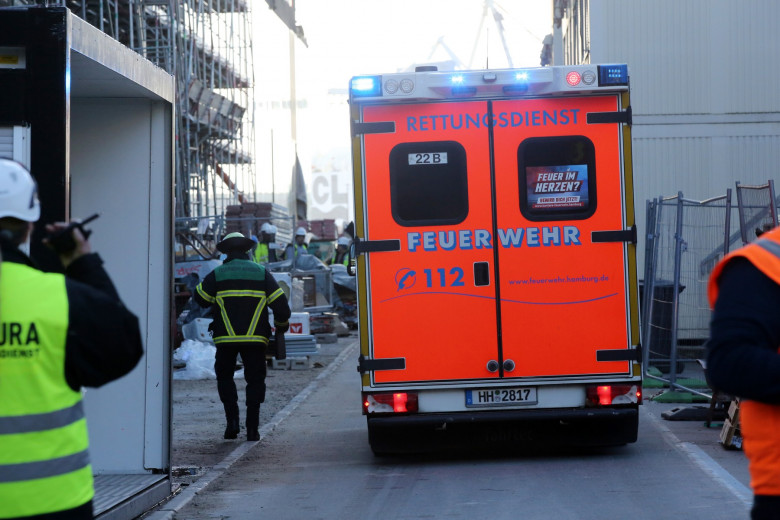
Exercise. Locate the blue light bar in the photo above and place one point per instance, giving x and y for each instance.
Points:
(457, 79)
(613, 75)
(464, 91)
(366, 86)
(521, 76)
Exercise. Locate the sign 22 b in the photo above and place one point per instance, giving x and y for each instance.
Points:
(428, 158)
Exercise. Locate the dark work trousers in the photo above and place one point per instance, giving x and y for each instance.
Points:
(253, 356)
(765, 507)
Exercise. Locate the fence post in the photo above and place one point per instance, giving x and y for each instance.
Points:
(727, 230)
(644, 328)
(773, 202)
(678, 246)
(650, 287)
(741, 218)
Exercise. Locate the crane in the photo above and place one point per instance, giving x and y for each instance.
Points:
(488, 7)
(498, 18)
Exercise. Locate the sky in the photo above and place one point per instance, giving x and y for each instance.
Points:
(353, 37)
(349, 38)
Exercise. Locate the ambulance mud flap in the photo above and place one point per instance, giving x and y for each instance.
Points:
(370, 365)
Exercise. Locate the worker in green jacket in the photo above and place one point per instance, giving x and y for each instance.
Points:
(239, 292)
(58, 333)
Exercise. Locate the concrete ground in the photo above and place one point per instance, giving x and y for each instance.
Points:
(199, 419)
(200, 454)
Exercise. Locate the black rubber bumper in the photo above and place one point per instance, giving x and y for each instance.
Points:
(503, 429)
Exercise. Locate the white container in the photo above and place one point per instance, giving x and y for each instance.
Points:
(198, 330)
(299, 323)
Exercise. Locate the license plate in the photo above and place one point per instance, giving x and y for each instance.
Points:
(501, 396)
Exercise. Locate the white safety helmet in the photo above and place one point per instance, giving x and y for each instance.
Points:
(300, 232)
(18, 192)
(343, 241)
(268, 228)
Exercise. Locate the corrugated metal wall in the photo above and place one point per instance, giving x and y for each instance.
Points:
(702, 167)
(704, 91)
(692, 56)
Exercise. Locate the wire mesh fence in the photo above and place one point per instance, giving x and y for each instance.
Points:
(687, 238)
(685, 241)
(757, 213)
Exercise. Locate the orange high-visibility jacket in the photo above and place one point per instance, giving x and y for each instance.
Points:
(760, 422)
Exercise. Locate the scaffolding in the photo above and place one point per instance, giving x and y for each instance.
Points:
(207, 45)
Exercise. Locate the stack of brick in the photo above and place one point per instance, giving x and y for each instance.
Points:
(247, 218)
(324, 229)
(233, 219)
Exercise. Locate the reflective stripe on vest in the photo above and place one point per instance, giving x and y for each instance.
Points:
(43, 469)
(764, 253)
(769, 245)
(223, 295)
(238, 270)
(344, 262)
(44, 461)
(41, 421)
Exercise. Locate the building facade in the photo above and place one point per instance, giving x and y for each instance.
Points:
(706, 113)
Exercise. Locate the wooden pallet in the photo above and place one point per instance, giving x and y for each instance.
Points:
(730, 434)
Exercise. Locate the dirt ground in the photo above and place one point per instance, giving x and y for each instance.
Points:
(199, 420)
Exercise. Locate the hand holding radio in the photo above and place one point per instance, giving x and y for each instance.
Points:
(69, 240)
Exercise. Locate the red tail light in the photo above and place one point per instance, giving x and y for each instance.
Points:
(606, 395)
(397, 402)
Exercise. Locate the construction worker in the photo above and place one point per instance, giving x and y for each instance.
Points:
(743, 358)
(341, 255)
(239, 292)
(298, 246)
(266, 248)
(58, 333)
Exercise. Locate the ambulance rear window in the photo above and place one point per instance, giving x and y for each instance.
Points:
(557, 178)
(428, 183)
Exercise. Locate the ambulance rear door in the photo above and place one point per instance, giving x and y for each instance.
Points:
(427, 186)
(561, 237)
(496, 234)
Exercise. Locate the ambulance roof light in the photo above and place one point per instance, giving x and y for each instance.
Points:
(521, 83)
(457, 79)
(366, 86)
(613, 75)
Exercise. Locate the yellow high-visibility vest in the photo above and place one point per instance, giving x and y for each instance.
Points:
(44, 460)
(261, 253)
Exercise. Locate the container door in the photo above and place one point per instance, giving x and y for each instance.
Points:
(427, 185)
(562, 281)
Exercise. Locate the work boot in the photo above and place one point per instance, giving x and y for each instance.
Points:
(233, 422)
(252, 424)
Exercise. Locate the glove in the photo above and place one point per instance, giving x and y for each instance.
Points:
(282, 327)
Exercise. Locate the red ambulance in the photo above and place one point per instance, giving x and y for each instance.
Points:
(496, 257)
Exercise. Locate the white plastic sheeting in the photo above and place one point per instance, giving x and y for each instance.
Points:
(199, 359)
